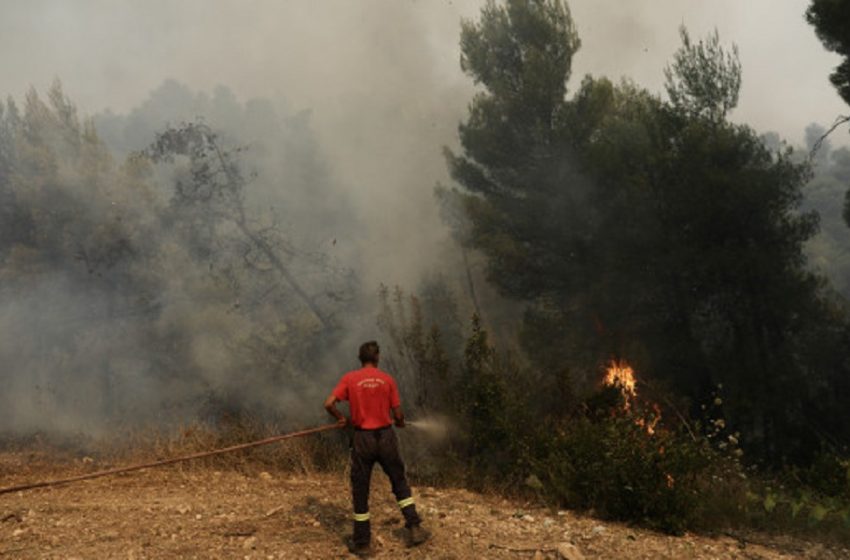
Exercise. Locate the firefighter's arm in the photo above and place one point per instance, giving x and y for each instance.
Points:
(398, 416)
(330, 406)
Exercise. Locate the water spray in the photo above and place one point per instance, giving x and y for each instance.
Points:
(433, 427)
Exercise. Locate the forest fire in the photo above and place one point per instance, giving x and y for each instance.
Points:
(620, 374)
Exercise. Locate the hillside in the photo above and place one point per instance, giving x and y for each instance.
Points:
(198, 512)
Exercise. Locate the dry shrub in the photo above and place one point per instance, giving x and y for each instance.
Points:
(45, 454)
(315, 452)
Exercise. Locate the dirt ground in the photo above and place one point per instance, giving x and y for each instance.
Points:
(199, 512)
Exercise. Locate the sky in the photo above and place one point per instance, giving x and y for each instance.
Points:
(319, 53)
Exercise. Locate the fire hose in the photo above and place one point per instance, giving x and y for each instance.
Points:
(171, 461)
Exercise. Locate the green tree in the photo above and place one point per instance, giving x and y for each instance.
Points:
(704, 80)
(522, 54)
(831, 20)
(634, 227)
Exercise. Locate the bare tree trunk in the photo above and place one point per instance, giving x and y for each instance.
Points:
(470, 284)
(267, 250)
(287, 275)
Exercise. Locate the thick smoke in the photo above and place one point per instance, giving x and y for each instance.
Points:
(151, 302)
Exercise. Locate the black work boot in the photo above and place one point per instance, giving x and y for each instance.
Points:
(416, 535)
(411, 518)
(363, 550)
(361, 539)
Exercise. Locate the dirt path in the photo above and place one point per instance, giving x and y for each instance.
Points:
(193, 512)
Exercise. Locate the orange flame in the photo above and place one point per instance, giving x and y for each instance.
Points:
(621, 375)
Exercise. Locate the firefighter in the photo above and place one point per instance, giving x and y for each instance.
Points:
(372, 396)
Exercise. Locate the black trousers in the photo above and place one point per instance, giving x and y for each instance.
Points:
(367, 448)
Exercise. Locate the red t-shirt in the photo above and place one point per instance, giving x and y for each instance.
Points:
(371, 394)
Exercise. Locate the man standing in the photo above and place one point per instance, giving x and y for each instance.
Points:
(372, 395)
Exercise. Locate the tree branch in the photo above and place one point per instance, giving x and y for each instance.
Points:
(839, 120)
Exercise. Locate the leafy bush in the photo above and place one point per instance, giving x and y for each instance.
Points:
(814, 500)
(829, 474)
(613, 458)
(616, 467)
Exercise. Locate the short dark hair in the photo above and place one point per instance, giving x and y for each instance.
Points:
(369, 352)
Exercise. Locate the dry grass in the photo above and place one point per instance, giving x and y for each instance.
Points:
(314, 453)
(43, 457)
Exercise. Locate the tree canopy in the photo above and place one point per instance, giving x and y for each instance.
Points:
(646, 228)
(831, 19)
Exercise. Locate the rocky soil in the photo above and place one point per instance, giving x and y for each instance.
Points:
(199, 512)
